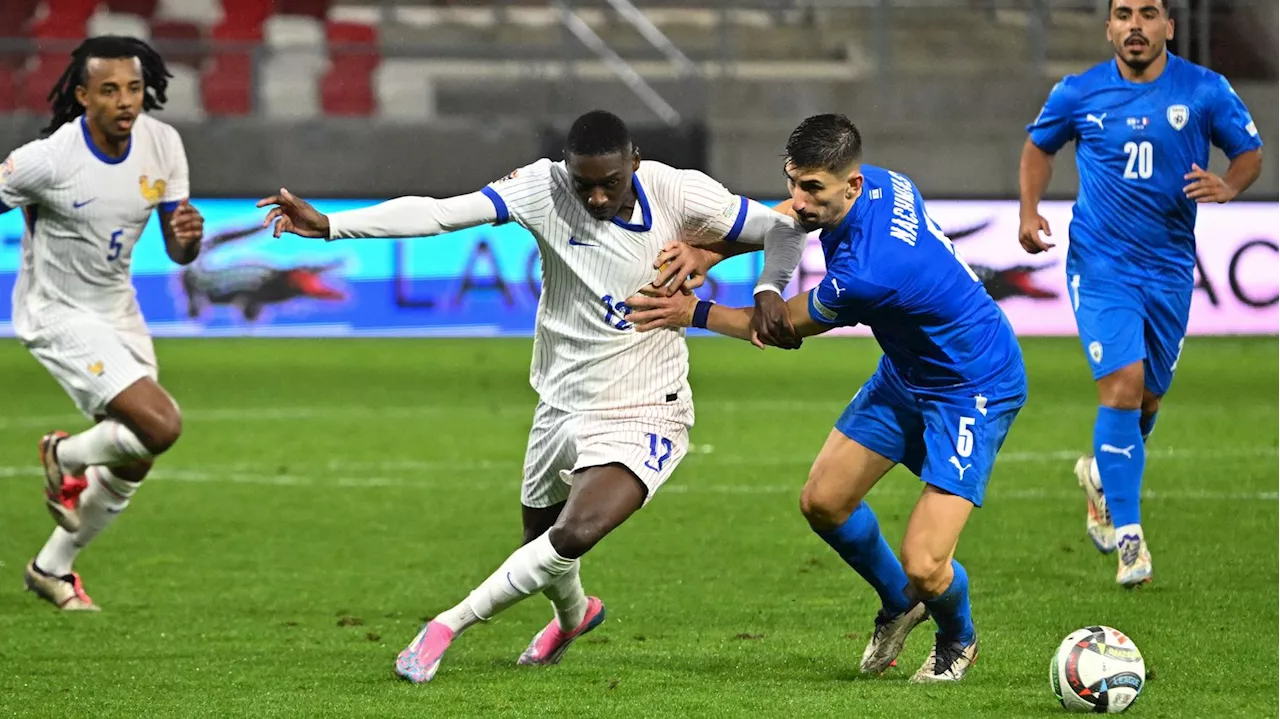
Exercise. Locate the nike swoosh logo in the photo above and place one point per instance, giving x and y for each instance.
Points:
(78, 205)
(578, 243)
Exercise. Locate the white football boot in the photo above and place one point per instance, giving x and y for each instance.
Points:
(1135, 561)
(1098, 519)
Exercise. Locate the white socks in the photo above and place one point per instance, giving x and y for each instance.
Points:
(567, 597)
(529, 570)
(101, 502)
(107, 442)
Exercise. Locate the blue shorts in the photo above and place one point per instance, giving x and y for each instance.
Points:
(948, 440)
(1122, 323)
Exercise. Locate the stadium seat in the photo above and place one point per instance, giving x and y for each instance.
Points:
(245, 13)
(179, 41)
(15, 15)
(64, 19)
(289, 87)
(111, 23)
(184, 102)
(313, 8)
(404, 91)
(8, 89)
(42, 72)
(203, 13)
(141, 8)
(347, 87)
(293, 33)
(227, 82)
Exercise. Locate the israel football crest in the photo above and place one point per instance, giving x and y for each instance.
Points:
(1178, 116)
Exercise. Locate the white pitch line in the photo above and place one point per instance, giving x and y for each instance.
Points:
(351, 474)
(831, 408)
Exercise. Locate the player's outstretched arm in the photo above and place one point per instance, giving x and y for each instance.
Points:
(401, 217)
(651, 312)
(1034, 173)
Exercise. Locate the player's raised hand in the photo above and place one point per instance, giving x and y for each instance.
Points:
(294, 214)
(187, 224)
(771, 323)
(1029, 230)
(1207, 187)
(680, 260)
(655, 311)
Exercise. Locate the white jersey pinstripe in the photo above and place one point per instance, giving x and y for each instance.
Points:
(586, 356)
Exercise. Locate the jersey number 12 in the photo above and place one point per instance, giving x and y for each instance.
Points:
(1141, 160)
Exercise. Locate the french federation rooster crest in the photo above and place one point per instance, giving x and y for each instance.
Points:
(252, 286)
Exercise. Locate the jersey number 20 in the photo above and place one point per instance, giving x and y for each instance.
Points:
(1141, 160)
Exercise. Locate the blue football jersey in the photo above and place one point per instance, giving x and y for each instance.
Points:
(1134, 144)
(891, 268)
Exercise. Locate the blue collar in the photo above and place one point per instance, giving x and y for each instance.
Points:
(646, 216)
(97, 152)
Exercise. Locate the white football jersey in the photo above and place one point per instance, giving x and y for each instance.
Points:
(586, 355)
(84, 212)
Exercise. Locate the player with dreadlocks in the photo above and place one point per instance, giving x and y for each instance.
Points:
(87, 190)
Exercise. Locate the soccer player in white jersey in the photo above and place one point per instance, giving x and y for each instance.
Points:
(87, 189)
(615, 406)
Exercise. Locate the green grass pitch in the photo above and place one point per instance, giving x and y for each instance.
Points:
(329, 495)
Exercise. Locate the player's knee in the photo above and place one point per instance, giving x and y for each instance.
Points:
(134, 471)
(823, 508)
(574, 538)
(1124, 388)
(159, 428)
(1150, 403)
(927, 573)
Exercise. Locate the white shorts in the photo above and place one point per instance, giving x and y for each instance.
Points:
(94, 359)
(650, 441)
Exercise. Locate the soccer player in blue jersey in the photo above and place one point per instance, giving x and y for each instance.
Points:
(947, 390)
(1143, 124)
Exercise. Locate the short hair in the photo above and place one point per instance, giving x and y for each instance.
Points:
(1164, 5)
(155, 76)
(598, 133)
(830, 142)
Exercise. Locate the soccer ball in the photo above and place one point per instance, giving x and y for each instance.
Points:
(1097, 669)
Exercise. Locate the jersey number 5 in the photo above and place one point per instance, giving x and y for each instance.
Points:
(115, 246)
(964, 439)
(1141, 160)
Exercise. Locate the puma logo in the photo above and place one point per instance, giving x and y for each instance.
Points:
(956, 463)
(1112, 449)
(1096, 118)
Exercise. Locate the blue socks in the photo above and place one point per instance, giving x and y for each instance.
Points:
(1147, 425)
(951, 608)
(859, 543)
(1119, 451)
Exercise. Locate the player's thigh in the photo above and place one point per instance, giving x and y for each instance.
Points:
(650, 447)
(1168, 311)
(1110, 320)
(963, 437)
(841, 476)
(91, 359)
(883, 417)
(549, 454)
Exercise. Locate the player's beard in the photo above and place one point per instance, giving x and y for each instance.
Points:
(1142, 62)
